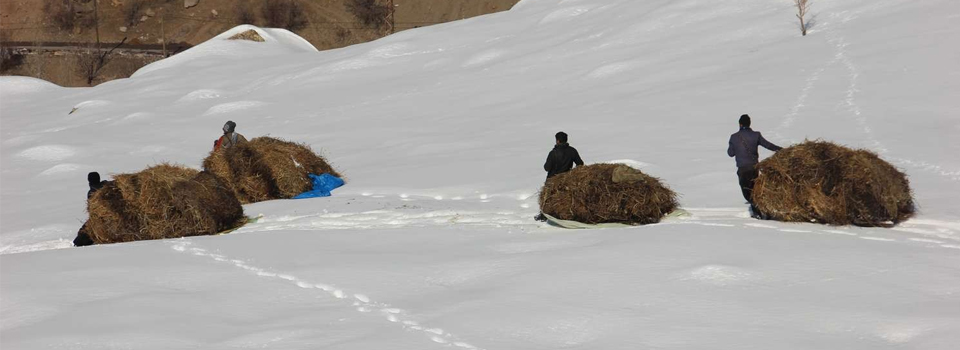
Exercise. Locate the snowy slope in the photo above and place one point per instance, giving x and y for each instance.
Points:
(441, 132)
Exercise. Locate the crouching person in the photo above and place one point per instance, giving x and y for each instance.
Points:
(230, 137)
(93, 180)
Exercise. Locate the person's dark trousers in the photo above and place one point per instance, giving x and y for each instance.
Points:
(747, 174)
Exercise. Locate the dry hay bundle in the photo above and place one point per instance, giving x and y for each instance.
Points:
(164, 201)
(607, 193)
(267, 168)
(822, 182)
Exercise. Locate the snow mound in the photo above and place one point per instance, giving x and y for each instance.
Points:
(277, 42)
(15, 85)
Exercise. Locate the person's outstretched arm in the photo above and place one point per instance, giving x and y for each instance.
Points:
(768, 145)
(576, 158)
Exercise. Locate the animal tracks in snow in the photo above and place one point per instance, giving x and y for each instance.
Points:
(360, 302)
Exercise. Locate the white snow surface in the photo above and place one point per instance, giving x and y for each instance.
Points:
(441, 132)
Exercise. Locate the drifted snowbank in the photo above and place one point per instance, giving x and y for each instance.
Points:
(277, 42)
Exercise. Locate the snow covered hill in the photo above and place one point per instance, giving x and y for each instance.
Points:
(442, 131)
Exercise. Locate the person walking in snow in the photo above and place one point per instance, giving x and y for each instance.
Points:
(93, 179)
(230, 137)
(744, 147)
(560, 160)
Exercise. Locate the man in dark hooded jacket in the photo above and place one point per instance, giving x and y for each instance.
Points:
(744, 147)
(230, 137)
(93, 179)
(560, 160)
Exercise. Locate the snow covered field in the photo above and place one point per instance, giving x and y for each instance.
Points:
(441, 133)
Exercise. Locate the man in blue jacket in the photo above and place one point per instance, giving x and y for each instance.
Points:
(743, 146)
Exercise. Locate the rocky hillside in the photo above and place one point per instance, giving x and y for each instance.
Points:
(326, 24)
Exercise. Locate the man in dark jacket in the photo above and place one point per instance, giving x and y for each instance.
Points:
(562, 158)
(744, 146)
(93, 179)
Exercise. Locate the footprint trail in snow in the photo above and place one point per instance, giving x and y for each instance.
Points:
(360, 302)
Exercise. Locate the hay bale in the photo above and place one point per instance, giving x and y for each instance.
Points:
(607, 193)
(164, 201)
(267, 168)
(250, 35)
(822, 182)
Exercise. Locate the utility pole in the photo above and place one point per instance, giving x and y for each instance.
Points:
(96, 18)
(163, 37)
(393, 21)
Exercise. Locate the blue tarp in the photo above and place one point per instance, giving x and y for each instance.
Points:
(322, 185)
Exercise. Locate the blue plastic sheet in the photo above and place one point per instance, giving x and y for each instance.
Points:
(322, 185)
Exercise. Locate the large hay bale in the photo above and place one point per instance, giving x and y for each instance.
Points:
(164, 201)
(607, 193)
(267, 168)
(822, 182)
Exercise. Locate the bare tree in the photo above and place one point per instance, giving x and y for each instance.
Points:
(343, 34)
(287, 14)
(246, 16)
(131, 14)
(10, 59)
(62, 12)
(802, 8)
(67, 14)
(39, 64)
(90, 62)
(371, 13)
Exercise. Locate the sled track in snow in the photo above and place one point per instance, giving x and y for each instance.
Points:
(428, 212)
(925, 232)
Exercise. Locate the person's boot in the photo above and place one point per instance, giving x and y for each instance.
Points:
(756, 213)
(540, 217)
